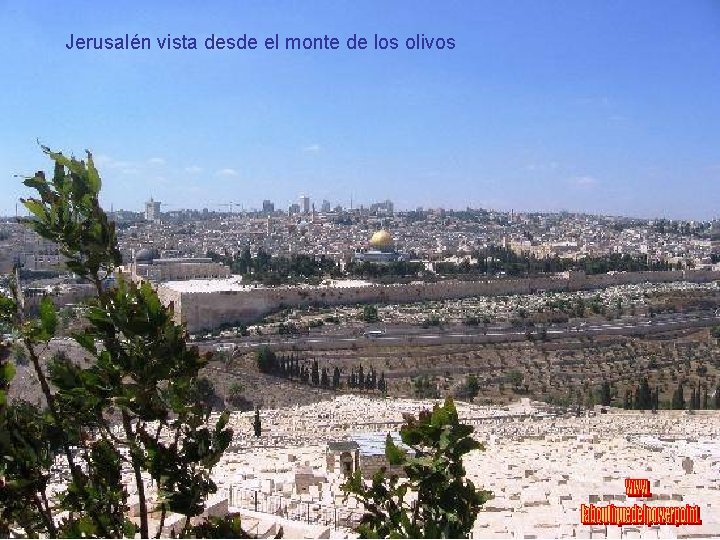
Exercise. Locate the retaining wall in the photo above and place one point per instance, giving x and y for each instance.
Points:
(208, 310)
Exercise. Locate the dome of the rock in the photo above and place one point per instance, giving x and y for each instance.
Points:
(381, 239)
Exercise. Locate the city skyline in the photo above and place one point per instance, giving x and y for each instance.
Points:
(604, 109)
(293, 207)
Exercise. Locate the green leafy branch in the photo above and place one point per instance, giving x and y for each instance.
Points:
(434, 500)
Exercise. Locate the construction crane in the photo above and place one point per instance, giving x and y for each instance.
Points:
(230, 206)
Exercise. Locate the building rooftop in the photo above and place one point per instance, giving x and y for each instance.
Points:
(373, 443)
(235, 284)
(171, 260)
(208, 285)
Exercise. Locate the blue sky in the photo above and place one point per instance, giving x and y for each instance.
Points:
(610, 107)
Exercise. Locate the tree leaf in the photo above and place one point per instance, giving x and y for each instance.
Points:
(48, 316)
(394, 454)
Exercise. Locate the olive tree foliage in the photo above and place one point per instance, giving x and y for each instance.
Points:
(435, 500)
(134, 406)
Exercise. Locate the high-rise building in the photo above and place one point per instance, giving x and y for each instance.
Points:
(386, 207)
(268, 206)
(325, 208)
(715, 238)
(305, 204)
(152, 210)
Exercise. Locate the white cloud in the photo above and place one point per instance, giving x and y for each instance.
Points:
(193, 169)
(156, 161)
(227, 172)
(312, 148)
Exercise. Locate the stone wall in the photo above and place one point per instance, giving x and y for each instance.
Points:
(65, 295)
(208, 310)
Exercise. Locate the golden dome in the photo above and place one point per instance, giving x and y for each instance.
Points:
(381, 239)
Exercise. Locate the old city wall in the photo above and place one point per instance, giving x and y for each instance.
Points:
(67, 296)
(210, 310)
(171, 297)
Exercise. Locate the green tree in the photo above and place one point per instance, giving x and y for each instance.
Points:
(139, 371)
(473, 387)
(516, 378)
(627, 402)
(424, 387)
(236, 398)
(267, 361)
(644, 396)
(20, 356)
(370, 314)
(637, 405)
(205, 391)
(678, 399)
(447, 503)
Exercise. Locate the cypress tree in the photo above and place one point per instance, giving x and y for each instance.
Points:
(678, 400)
(315, 373)
(257, 427)
(305, 374)
(605, 396)
(324, 378)
(645, 395)
(693, 397)
(382, 384)
(656, 398)
(681, 396)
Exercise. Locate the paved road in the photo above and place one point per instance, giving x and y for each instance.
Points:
(409, 335)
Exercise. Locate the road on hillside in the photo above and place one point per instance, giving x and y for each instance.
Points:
(413, 335)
